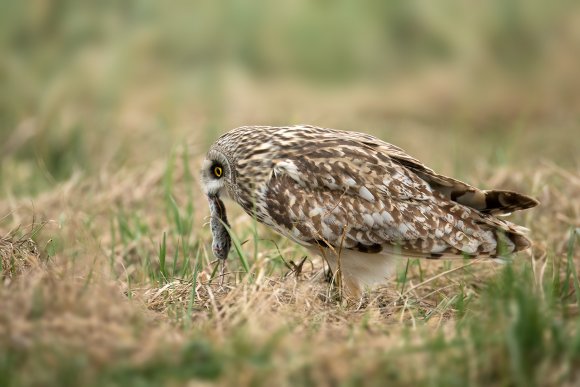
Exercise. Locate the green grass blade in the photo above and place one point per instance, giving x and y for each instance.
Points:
(571, 265)
(238, 247)
(162, 257)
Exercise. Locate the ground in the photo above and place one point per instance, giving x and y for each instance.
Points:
(107, 275)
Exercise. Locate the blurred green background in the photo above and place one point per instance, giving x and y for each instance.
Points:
(92, 86)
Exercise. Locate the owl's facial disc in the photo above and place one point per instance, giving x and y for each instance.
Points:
(215, 174)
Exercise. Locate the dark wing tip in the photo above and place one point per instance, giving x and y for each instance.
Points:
(503, 202)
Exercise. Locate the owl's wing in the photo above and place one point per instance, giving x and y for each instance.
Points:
(355, 198)
(494, 202)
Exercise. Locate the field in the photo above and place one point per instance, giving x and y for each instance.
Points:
(106, 112)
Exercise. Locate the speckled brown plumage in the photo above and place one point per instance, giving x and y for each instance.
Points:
(358, 199)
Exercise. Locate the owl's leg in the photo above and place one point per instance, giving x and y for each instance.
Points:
(348, 285)
(353, 289)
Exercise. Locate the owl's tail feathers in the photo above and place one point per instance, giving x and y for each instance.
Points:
(496, 202)
(511, 240)
(493, 202)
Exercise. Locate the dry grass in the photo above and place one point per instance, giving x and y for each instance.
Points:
(107, 112)
(18, 253)
(105, 296)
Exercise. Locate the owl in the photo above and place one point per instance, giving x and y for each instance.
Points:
(356, 200)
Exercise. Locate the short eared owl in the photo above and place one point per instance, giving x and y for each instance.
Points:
(355, 199)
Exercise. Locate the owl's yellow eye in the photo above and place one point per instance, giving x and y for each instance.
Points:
(218, 171)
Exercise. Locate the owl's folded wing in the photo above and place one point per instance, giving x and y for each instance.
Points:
(356, 200)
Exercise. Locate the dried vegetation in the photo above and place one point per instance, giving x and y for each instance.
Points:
(107, 277)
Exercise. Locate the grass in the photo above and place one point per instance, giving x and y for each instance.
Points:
(107, 275)
(153, 310)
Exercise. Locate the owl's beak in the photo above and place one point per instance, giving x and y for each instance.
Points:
(222, 242)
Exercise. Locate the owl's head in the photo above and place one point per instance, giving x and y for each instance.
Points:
(217, 175)
(240, 163)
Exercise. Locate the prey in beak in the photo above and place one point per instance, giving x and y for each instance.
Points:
(222, 242)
